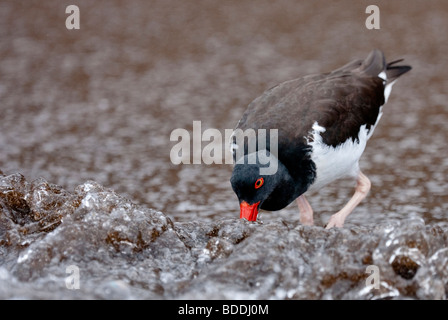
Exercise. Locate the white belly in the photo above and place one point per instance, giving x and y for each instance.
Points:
(334, 163)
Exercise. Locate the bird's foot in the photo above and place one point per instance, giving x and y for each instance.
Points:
(307, 222)
(336, 220)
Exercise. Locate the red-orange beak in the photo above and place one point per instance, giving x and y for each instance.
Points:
(249, 211)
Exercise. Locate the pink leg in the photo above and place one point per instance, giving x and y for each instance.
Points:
(361, 191)
(305, 211)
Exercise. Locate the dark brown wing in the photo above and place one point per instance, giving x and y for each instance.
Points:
(341, 102)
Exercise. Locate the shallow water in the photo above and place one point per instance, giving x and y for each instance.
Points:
(100, 103)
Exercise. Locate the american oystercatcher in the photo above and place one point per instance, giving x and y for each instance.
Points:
(321, 124)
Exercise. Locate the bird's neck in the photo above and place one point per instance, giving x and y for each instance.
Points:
(301, 170)
(287, 190)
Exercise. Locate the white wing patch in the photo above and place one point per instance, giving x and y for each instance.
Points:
(388, 87)
(334, 163)
(388, 90)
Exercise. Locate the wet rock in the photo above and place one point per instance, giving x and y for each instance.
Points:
(405, 267)
(126, 251)
(15, 204)
(12, 201)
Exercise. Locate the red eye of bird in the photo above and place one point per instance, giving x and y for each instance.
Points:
(259, 183)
